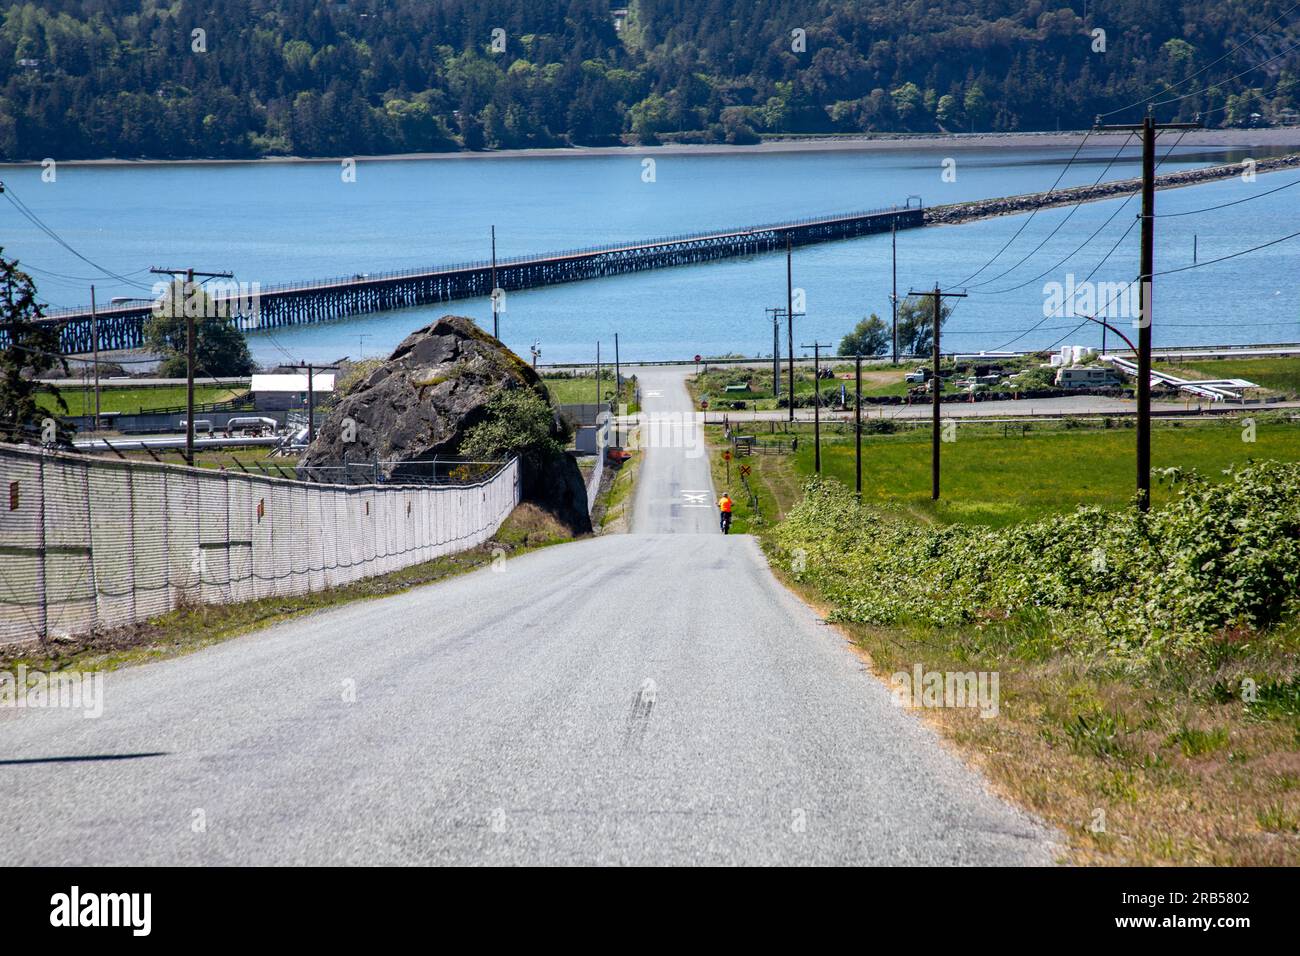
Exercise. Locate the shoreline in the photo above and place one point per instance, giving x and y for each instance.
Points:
(1269, 138)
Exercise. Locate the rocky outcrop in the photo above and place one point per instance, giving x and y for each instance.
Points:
(1028, 202)
(419, 405)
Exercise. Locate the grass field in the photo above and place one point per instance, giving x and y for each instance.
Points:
(1281, 375)
(993, 480)
(135, 400)
(581, 390)
(1168, 767)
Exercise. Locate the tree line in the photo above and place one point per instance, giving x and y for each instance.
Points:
(246, 78)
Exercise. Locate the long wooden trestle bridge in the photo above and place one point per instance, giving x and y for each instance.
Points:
(121, 326)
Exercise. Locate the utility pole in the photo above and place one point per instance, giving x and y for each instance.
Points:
(189, 372)
(189, 346)
(935, 383)
(361, 345)
(311, 406)
(94, 335)
(598, 376)
(618, 390)
(893, 295)
(496, 325)
(776, 312)
(776, 355)
(789, 315)
(857, 423)
(817, 404)
(1149, 128)
(311, 396)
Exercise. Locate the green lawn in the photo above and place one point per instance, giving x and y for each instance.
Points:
(989, 479)
(134, 400)
(581, 390)
(1278, 374)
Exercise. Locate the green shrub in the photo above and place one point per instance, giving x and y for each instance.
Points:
(1220, 562)
(519, 422)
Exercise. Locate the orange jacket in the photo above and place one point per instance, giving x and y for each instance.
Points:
(725, 504)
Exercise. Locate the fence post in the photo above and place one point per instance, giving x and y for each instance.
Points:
(90, 549)
(167, 537)
(130, 512)
(42, 627)
(230, 571)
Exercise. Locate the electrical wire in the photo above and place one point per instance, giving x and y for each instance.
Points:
(1169, 152)
(35, 220)
(1060, 224)
(1060, 262)
(1225, 205)
(964, 282)
(1215, 86)
(1037, 325)
(28, 267)
(1202, 70)
(1235, 255)
(1128, 285)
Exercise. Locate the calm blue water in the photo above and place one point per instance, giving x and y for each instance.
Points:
(278, 222)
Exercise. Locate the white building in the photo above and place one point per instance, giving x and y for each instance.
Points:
(288, 392)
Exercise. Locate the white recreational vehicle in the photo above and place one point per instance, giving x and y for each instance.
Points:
(1085, 376)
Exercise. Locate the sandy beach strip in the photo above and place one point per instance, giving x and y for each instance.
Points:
(1270, 138)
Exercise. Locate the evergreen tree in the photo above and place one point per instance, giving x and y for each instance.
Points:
(31, 351)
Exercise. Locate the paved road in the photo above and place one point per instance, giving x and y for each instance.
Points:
(647, 698)
(675, 493)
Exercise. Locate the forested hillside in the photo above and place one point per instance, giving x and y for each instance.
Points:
(89, 78)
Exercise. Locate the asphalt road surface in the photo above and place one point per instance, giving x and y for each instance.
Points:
(652, 698)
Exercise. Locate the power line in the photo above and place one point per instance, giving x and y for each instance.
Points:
(1222, 325)
(1088, 278)
(1225, 56)
(1048, 328)
(1243, 252)
(35, 220)
(28, 267)
(1026, 223)
(1060, 224)
(1057, 313)
(1215, 86)
(1225, 205)
(1087, 241)
(1062, 262)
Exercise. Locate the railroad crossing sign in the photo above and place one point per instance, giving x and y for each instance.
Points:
(726, 456)
(745, 470)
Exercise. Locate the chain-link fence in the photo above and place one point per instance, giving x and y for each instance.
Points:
(89, 543)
